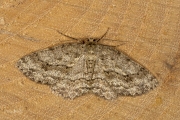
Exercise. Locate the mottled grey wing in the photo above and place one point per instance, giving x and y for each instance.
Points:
(117, 74)
(62, 67)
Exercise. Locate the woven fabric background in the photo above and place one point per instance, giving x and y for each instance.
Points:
(150, 27)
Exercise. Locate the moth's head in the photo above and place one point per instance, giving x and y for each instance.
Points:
(89, 41)
(93, 41)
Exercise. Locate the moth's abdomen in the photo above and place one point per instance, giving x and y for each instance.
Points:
(90, 64)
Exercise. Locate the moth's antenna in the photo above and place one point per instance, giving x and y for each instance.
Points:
(103, 35)
(67, 35)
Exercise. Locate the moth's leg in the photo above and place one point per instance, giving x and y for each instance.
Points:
(11, 34)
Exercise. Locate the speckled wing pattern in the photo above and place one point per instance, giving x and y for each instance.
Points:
(73, 69)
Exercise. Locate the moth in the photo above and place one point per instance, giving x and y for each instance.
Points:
(87, 66)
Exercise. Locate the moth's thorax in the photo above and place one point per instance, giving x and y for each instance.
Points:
(91, 52)
(90, 49)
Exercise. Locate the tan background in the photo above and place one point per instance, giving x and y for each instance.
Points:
(151, 27)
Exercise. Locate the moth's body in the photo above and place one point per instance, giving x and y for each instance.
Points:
(74, 69)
